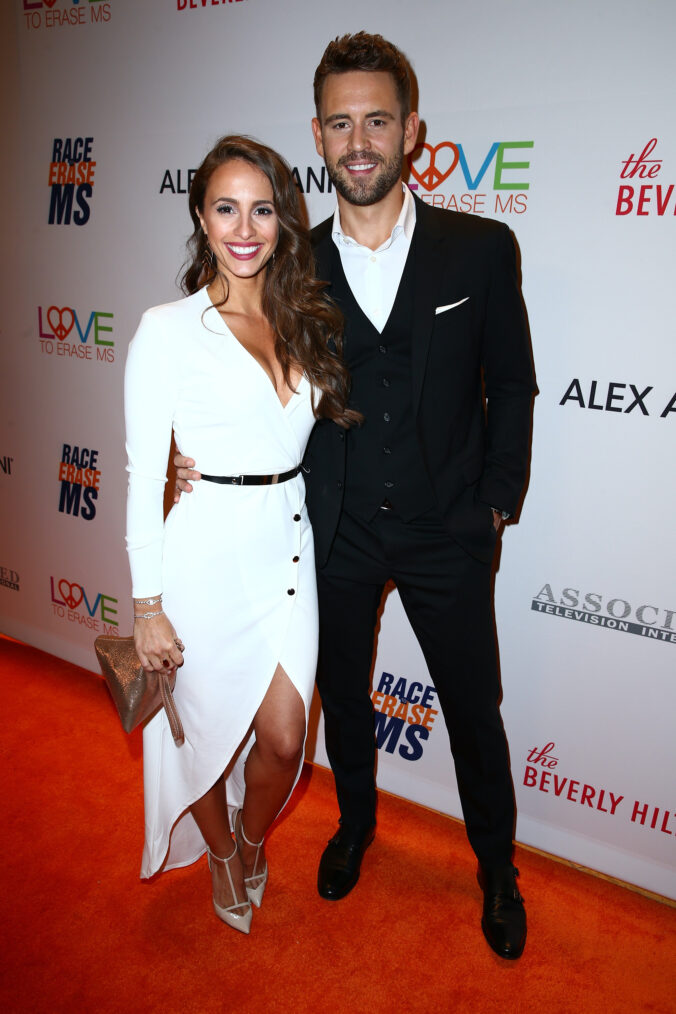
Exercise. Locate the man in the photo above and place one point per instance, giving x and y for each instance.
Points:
(437, 346)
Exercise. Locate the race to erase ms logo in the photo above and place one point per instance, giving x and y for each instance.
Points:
(643, 195)
(59, 13)
(404, 715)
(72, 602)
(62, 331)
(450, 179)
(79, 481)
(542, 773)
(71, 180)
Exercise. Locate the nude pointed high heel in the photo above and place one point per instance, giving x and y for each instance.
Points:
(239, 922)
(254, 893)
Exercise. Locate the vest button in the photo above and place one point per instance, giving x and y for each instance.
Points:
(386, 382)
(339, 484)
(382, 348)
(388, 484)
(386, 416)
(387, 450)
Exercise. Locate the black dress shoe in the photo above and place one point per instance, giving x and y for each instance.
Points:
(341, 861)
(504, 917)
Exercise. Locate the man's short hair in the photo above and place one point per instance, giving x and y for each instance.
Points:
(365, 52)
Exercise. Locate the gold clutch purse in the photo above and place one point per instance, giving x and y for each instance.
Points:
(137, 695)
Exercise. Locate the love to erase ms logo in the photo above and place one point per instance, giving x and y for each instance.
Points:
(65, 13)
(88, 333)
(447, 163)
(404, 714)
(71, 601)
(79, 481)
(71, 180)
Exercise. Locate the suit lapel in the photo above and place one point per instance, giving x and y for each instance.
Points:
(322, 246)
(428, 275)
(428, 272)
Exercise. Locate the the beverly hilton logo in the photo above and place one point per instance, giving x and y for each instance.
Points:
(195, 5)
(450, 179)
(641, 191)
(613, 613)
(542, 773)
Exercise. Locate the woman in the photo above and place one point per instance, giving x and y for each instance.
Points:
(240, 369)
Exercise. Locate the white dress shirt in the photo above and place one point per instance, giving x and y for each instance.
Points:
(374, 275)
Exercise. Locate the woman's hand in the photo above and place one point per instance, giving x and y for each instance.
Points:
(157, 645)
(185, 473)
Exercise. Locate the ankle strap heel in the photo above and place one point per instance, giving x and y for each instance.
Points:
(255, 884)
(238, 921)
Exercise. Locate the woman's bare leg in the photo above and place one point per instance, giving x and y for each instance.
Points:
(272, 764)
(210, 812)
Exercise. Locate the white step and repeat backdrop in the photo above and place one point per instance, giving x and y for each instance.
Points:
(555, 118)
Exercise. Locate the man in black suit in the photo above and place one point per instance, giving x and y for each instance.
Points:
(437, 346)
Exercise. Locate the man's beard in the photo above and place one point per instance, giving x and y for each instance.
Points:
(365, 191)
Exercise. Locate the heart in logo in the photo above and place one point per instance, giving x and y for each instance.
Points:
(60, 329)
(49, 3)
(69, 596)
(431, 177)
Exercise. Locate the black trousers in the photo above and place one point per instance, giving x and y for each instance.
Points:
(447, 597)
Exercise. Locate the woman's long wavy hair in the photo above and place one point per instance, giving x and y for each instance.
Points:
(307, 325)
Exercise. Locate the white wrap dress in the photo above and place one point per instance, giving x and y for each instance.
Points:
(235, 564)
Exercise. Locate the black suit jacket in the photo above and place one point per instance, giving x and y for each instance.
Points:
(471, 377)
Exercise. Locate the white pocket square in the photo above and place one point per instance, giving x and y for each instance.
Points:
(451, 306)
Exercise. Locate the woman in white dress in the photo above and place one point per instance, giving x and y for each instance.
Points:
(240, 369)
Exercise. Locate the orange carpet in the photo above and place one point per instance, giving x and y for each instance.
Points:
(81, 932)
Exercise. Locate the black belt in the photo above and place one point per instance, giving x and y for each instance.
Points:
(253, 480)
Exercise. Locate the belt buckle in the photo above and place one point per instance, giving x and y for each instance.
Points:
(238, 480)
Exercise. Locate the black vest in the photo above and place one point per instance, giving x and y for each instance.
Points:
(383, 456)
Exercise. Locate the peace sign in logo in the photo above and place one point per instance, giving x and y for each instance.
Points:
(69, 593)
(431, 177)
(60, 329)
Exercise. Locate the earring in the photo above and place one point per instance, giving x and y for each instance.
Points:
(209, 260)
